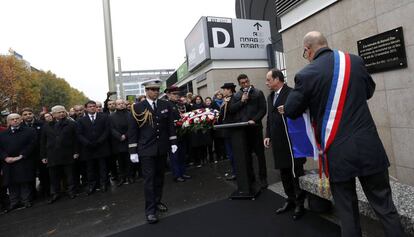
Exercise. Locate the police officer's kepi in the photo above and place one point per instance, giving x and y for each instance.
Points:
(172, 89)
(152, 84)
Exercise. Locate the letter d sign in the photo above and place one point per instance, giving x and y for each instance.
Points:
(215, 33)
(220, 35)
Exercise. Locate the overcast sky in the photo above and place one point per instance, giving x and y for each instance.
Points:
(67, 36)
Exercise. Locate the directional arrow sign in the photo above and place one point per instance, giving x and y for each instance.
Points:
(257, 25)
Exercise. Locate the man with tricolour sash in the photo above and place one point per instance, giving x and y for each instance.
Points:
(335, 87)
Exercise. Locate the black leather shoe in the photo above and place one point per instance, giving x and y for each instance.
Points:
(286, 207)
(152, 219)
(121, 182)
(161, 207)
(28, 205)
(104, 188)
(298, 213)
(11, 208)
(179, 179)
(90, 191)
(186, 176)
(72, 196)
(54, 198)
(231, 177)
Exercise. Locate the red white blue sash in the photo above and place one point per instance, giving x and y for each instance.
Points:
(336, 100)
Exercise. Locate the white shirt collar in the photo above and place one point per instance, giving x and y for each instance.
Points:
(151, 101)
(94, 115)
(278, 91)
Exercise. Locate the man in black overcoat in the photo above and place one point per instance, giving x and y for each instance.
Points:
(151, 135)
(29, 120)
(356, 151)
(59, 149)
(119, 141)
(249, 105)
(93, 132)
(16, 147)
(276, 138)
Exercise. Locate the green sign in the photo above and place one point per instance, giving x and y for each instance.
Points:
(182, 72)
(131, 98)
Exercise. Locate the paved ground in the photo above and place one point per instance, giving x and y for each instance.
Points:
(118, 209)
(122, 208)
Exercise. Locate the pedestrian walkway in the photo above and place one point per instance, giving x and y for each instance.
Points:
(240, 218)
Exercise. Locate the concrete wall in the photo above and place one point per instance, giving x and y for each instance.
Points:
(392, 106)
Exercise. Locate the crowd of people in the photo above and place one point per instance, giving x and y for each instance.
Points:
(90, 143)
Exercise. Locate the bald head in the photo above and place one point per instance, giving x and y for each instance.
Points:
(315, 40)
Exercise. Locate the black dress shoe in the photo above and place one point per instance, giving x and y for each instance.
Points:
(28, 205)
(104, 188)
(286, 207)
(298, 213)
(179, 179)
(161, 207)
(231, 177)
(90, 191)
(152, 219)
(54, 198)
(11, 208)
(121, 182)
(72, 196)
(186, 176)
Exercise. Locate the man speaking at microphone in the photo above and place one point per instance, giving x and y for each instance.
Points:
(250, 106)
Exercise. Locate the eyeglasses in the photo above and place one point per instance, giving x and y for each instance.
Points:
(304, 53)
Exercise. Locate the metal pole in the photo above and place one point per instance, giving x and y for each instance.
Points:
(109, 48)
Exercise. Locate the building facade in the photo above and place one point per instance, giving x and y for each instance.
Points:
(346, 23)
(130, 83)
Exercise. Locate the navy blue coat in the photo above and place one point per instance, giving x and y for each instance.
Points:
(20, 142)
(357, 149)
(152, 137)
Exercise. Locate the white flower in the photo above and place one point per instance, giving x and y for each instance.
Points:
(186, 124)
(197, 120)
(210, 116)
(203, 118)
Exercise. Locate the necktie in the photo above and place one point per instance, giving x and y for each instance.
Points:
(275, 98)
(92, 118)
(154, 106)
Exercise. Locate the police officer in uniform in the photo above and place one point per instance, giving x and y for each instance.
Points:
(177, 159)
(151, 135)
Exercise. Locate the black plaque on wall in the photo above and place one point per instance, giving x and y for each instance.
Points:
(384, 52)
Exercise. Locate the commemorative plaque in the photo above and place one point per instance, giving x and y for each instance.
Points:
(384, 52)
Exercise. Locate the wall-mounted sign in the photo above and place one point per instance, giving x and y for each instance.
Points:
(226, 38)
(384, 52)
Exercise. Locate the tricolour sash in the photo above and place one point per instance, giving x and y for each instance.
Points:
(333, 113)
(336, 100)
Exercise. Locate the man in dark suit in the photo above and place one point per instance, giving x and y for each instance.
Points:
(30, 121)
(93, 132)
(249, 105)
(356, 150)
(151, 135)
(276, 137)
(119, 141)
(16, 147)
(59, 149)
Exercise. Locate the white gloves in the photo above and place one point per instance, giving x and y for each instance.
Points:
(174, 148)
(134, 158)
